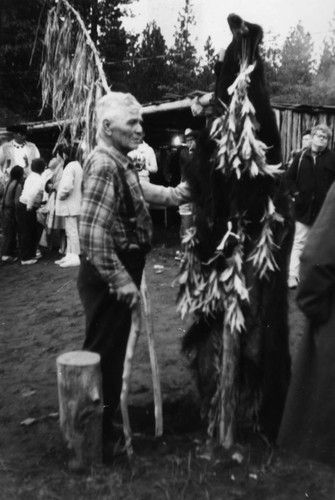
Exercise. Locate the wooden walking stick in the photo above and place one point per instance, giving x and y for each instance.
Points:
(127, 366)
(153, 358)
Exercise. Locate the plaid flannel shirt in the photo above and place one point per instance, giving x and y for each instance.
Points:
(105, 226)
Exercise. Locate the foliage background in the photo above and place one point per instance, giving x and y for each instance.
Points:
(143, 63)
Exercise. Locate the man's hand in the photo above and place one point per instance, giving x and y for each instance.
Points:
(129, 294)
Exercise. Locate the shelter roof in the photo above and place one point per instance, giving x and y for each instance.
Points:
(172, 115)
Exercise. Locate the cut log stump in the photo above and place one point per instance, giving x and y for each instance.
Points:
(81, 406)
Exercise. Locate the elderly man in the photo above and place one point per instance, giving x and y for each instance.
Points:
(309, 177)
(115, 235)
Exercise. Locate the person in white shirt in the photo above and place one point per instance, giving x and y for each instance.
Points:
(144, 159)
(42, 212)
(68, 205)
(29, 201)
(18, 151)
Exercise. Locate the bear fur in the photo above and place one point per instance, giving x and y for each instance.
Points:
(264, 358)
(247, 37)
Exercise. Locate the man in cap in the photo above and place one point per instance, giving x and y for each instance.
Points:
(18, 151)
(185, 158)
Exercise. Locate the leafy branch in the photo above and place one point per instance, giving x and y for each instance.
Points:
(72, 74)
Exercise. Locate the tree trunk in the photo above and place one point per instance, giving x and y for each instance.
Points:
(80, 406)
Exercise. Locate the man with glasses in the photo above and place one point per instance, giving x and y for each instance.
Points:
(309, 177)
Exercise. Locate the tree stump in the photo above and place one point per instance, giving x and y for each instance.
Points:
(81, 406)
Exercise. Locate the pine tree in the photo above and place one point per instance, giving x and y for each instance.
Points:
(206, 76)
(327, 60)
(113, 41)
(22, 24)
(297, 57)
(21, 31)
(271, 53)
(325, 76)
(210, 54)
(183, 58)
(149, 70)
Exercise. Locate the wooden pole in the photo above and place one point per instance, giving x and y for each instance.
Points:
(153, 358)
(228, 387)
(127, 367)
(81, 406)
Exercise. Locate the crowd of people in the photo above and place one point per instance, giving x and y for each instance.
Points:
(40, 203)
(100, 214)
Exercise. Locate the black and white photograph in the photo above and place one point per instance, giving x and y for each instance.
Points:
(167, 250)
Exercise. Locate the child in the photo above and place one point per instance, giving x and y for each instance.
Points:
(29, 202)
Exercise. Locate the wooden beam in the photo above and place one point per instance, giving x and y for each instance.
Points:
(150, 109)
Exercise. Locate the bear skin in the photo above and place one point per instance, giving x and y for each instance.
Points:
(265, 360)
(246, 38)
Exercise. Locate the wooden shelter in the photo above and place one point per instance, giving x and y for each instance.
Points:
(294, 119)
(168, 118)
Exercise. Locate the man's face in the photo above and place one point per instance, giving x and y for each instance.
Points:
(19, 138)
(126, 130)
(306, 141)
(190, 143)
(319, 141)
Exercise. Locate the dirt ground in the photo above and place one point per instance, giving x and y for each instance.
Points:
(40, 318)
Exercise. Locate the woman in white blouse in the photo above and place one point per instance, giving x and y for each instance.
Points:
(68, 203)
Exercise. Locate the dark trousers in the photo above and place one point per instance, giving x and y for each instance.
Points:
(9, 232)
(108, 324)
(28, 232)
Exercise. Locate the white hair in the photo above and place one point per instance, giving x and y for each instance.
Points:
(322, 128)
(110, 106)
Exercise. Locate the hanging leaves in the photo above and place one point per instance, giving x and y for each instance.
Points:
(238, 149)
(204, 287)
(218, 287)
(72, 75)
(208, 289)
(262, 256)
